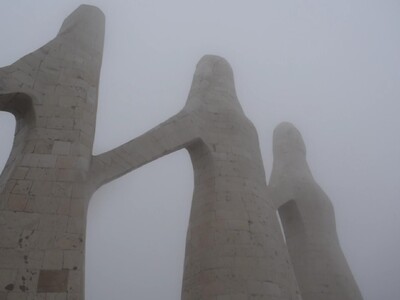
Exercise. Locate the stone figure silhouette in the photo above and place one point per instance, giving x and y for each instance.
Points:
(308, 221)
(234, 249)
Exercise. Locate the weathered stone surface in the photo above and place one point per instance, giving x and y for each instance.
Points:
(53, 281)
(309, 222)
(52, 92)
(234, 247)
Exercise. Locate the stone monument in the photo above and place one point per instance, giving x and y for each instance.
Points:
(308, 221)
(234, 249)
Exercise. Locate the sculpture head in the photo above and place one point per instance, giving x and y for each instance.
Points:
(213, 86)
(86, 26)
(288, 142)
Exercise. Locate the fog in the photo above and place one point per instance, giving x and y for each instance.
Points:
(332, 68)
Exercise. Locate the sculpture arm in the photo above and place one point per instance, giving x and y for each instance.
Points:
(172, 135)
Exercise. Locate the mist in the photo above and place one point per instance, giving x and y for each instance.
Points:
(332, 68)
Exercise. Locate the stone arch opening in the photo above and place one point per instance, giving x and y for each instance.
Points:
(19, 105)
(292, 226)
(8, 126)
(291, 220)
(146, 232)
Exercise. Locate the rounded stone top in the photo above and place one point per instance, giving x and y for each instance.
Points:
(287, 141)
(86, 24)
(213, 65)
(213, 84)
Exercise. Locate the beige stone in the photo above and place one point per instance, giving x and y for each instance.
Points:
(308, 221)
(53, 260)
(234, 247)
(53, 281)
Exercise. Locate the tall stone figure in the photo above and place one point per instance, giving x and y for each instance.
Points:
(308, 221)
(52, 93)
(234, 248)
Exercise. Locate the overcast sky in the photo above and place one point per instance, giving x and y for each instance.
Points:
(332, 68)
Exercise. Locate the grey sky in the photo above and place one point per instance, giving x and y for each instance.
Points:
(330, 67)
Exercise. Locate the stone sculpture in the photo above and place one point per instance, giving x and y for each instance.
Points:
(235, 248)
(44, 189)
(308, 221)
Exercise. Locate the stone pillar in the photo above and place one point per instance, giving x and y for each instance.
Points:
(308, 221)
(52, 93)
(234, 247)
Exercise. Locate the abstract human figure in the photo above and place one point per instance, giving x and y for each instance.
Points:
(52, 93)
(308, 222)
(234, 248)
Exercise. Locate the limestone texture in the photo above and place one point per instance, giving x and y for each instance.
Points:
(308, 222)
(234, 246)
(44, 194)
(234, 249)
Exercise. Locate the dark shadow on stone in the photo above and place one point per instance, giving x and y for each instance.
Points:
(53, 281)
